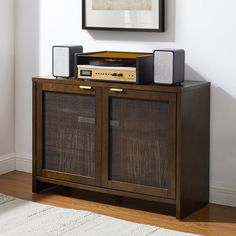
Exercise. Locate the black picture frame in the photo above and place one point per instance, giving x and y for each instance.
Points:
(161, 27)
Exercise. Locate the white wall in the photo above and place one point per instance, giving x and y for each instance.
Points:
(7, 123)
(205, 29)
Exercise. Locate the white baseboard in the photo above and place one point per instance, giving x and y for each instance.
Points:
(223, 196)
(7, 163)
(24, 162)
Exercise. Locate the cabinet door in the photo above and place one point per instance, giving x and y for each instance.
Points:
(139, 142)
(68, 133)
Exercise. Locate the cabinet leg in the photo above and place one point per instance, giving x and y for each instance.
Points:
(40, 186)
(187, 210)
(119, 200)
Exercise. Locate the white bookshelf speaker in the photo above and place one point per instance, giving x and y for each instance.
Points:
(63, 59)
(169, 66)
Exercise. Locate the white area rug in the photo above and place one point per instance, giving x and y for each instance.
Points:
(19, 217)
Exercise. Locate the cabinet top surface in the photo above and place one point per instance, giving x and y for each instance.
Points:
(188, 84)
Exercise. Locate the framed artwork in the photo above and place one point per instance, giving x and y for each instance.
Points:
(124, 15)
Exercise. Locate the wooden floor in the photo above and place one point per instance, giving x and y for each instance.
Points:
(211, 220)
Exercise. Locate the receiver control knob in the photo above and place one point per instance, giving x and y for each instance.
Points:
(120, 75)
(114, 74)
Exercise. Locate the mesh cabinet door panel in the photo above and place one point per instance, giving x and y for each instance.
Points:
(138, 151)
(69, 133)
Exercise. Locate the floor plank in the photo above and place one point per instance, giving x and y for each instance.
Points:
(211, 220)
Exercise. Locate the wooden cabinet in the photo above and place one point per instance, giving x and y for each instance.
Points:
(147, 142)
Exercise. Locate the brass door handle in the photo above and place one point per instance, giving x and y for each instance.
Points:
(86, 87)
(116, 90)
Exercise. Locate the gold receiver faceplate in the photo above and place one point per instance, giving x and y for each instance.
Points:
(118, 74)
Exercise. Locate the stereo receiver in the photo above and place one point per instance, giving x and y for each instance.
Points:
(126, 67)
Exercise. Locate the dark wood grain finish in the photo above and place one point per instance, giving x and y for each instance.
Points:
(39, 129)
(64, 176)
(193, 150)
(37, 186)
(172, 135)
(187, 85)
(106, 190)
(151, 142)
(98, 136)
(34, 136)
